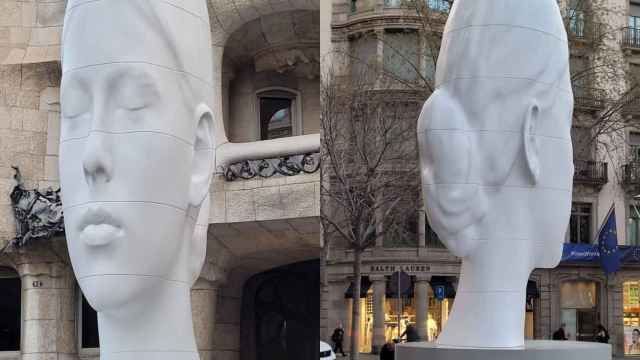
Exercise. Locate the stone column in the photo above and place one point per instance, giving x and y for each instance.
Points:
(346, 326)
(204, 296)
(49, 298)
(422, 304)
(379, 288)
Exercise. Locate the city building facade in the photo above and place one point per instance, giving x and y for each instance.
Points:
(257, 296)
(603, 35)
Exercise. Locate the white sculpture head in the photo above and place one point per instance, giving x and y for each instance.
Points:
(496, 154)
(136, 145)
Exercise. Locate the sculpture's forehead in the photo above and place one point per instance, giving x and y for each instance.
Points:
(538, 15)
(141, 31)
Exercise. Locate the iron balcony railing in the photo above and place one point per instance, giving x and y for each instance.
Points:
(589, 98)
(590, 172)
(266, 168)
(631, 37)
(584, 31)
(631, 174)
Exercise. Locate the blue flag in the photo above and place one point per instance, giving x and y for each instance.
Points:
(608, 244)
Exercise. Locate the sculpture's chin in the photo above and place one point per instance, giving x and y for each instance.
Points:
(107, 293)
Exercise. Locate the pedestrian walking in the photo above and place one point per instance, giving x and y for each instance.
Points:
(602, 335)
(388, 350)
(411, 333)
(337, 337)
(560, 333)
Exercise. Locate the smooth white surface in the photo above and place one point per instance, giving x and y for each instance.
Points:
(136, 161)
(496, 159)
(532, 350)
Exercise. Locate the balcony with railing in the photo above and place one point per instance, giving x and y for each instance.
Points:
(589, 98)
(630, 38)
(590, 172)
(584, 31)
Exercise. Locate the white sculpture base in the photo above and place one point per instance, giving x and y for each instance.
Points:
(533, 350)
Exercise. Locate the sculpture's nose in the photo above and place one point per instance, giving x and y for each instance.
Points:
(96, 162)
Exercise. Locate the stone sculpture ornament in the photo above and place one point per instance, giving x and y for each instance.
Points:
(38, 214)
(496, 159)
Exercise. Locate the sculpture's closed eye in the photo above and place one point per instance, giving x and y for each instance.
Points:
(135, 92)
(75, 101)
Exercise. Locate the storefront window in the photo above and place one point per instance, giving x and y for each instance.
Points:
(394, 306)
(10, 304)
(579, 309)
(438, 315)
(631, 317)
(366, 322)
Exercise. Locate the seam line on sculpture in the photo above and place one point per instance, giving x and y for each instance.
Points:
(496, 131)
(503, 186)
(140, 275)
(507, 25)
(163, 1)
(140, 62)
(448, 80)
(123, 202)
(70, 9)
(62, 141)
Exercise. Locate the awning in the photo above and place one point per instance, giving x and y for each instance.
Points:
(365, 284)
(447, 282)
(532, 290)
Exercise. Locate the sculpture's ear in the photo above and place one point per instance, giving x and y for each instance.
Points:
(203, 147)
(453, 200)
(531, 144)
(198, 246)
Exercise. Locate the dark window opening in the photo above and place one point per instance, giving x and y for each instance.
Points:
(89, 326)
(275, 118)
(580, 223)
(10, 308)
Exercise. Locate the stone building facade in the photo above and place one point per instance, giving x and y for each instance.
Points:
(263, 225)
(603, 34)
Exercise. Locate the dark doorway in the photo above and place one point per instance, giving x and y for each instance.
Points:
(281, 313)
(90, 337)
(10, 308)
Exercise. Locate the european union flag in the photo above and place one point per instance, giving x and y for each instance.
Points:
(608, 244)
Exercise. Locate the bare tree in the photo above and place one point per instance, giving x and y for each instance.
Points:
(369, 167)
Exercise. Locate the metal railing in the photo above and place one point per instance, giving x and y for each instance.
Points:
(589, 97)
(631, 37)
(590, 172)
(582, 30)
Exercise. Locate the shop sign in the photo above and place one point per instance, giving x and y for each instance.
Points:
(391, 268)
(440, 292)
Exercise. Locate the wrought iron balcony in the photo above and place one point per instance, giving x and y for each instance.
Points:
(588, 98)
(631, 37)
(584, 31)
(590, 172)
(266, 168)
(631, 174)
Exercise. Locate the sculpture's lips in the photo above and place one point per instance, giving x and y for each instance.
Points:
(98, 227)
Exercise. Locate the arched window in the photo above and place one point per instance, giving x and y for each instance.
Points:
(279, 113)
(10, 310)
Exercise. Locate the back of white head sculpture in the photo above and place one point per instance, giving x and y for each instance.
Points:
(136, 161)
(496, 158)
